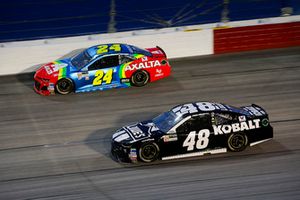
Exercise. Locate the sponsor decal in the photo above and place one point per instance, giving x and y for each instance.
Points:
(143, 65)
(158, 72)
(125, 80)
(145, 58)
(133, 155)
(82, 75)
(265, 122)
(51, 87)
(236, 127)
(242, 118)
(54, 67)
(170, 138)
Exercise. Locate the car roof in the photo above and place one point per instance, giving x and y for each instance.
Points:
(194, 108)
(93, 51)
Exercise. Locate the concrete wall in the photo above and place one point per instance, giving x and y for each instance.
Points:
(19, 57)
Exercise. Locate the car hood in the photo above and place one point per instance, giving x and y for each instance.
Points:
(137, 132)
(55, 68)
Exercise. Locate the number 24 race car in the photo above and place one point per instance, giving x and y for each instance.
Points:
(102, 67)
(192, 129)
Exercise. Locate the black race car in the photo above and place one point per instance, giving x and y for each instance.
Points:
(192, 129)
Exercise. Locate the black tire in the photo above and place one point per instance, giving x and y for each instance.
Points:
(140, 78)
(237, 142)
(148, 152)
(64, 86)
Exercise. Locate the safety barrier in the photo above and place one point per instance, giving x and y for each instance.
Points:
(26, 56)
(256, 37)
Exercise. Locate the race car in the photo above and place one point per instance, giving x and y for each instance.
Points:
(192, 129)
(102, 67)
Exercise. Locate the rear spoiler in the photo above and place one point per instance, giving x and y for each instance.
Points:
(162, 51)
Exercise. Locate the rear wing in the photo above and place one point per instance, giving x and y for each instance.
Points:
(255, 110)
(162, 51)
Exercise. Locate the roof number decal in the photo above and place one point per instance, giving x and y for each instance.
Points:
(105, 48)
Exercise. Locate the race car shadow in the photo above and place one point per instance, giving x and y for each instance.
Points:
(100, 140)
(26, 76)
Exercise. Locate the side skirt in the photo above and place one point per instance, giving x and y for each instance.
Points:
(200, 153)
(258, 142)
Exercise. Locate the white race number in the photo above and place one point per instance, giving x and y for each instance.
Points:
(202, 140)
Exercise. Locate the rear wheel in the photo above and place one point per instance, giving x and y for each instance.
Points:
(140, 78)
(64, 86)
(237, 142)
(148, 152)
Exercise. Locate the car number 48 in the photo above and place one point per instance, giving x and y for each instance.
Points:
(201, 137)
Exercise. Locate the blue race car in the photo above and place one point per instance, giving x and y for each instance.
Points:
(102, 67)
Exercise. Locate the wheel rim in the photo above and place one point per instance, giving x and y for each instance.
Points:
(64, 86)
(237, 141)
(140, 77)
(149, 152)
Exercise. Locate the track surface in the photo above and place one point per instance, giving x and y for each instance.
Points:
(58, 147)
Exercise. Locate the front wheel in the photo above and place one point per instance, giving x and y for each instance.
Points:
(237, 142)
(149, 152)
(64, 86)
(140, 78)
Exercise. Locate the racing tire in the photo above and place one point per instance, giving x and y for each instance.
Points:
(148, 152)
(64, 86)
(140, 78)
(237, 142)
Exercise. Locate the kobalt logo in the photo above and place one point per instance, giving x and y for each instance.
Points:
(143, 65)
(236, 127)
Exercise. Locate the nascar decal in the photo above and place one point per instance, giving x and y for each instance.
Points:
(236, 127)
(55, 66)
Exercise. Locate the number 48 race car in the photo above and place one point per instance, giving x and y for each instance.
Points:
(192, 129)
(102, 67)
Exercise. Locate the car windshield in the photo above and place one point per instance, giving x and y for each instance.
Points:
(140, 51)
(81, 59)
(166, 120)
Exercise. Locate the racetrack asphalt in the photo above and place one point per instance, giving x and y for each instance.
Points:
(57, 147)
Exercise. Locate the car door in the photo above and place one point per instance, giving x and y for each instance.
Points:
(195, 133)
(103, 72)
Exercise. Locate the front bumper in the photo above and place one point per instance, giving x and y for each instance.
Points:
(43, 87)
(123, 154)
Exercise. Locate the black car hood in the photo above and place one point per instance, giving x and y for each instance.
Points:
(137, 132)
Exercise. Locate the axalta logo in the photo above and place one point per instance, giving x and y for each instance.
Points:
(143, 65)
(236, 127)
